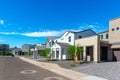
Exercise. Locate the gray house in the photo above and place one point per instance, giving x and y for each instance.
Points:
(4, 48)
(27, 47)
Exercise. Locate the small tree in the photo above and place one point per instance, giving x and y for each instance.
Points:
(74, 51)
(45, 53)
(71, 51)
(28, 53)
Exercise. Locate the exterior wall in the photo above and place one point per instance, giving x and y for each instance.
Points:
(104, 36)
(64, 38)
(49, 44)
(27, 47)
(114, 35)
(64, 53)
(16, 52)
(90, 41)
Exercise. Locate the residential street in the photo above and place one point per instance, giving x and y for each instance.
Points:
(13, 69)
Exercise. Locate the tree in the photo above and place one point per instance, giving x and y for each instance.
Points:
(71, 51)
(74, 51)
(45, 53)
(8, 52)
(28, 53)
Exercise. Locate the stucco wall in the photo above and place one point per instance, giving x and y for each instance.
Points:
(114, 35)
(90, 41)
(64, 38)
(104, 36)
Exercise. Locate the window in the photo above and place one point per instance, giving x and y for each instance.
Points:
(107, 36)
(112, 29)
(56, 41)
(80, 37)
(101, 36)
(69, 38)
(62, 38)
(117, 28)
(49, 43)
(52, 42)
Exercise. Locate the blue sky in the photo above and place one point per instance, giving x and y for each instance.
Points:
(31, 21)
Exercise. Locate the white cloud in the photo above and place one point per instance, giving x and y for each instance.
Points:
(1, 22)
(43, 34)
(8, 33)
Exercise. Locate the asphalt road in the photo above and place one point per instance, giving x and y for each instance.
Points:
(14, 69)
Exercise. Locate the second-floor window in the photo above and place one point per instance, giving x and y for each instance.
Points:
(101, 37)
(117, 28)
(69, 39)
(107, 36)
(112, 29)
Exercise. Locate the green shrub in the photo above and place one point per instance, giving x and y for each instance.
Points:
(79, 62)
(72, 64)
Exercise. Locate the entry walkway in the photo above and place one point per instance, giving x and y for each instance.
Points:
(72, 75)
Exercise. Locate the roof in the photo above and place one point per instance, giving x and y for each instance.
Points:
(114, 18)
(50, 38)
(104, 31)
(19, 49)
(63, 44)
(28, 45)
(79, 31)
(40, 47)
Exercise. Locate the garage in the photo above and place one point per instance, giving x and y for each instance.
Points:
(116, 54)
(104, 53)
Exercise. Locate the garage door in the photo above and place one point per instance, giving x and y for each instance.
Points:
(116, 55)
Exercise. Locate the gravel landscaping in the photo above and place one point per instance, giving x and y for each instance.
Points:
(107, 70)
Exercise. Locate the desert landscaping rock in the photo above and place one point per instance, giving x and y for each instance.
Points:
(108, 70)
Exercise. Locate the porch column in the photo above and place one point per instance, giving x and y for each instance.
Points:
(51, 50)
(84, 53)
(60, 54)
(55, 54)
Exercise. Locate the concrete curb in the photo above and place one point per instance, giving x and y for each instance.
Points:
(72, 75)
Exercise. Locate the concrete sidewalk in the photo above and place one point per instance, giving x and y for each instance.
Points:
(72, 75)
